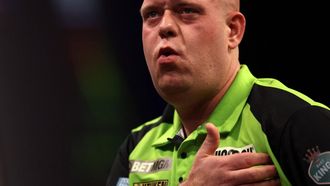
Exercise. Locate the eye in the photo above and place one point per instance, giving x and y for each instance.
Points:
(151, 14)
(187, 11)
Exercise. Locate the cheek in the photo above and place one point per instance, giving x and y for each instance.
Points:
(145, 42)
(213, 38)
(212, 46)
(148, 44)
(207, 50)
(204, 38)
(148, 49)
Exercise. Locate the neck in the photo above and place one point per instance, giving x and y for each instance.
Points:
(194, 114)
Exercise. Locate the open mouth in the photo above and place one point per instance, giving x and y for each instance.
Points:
(167, 51)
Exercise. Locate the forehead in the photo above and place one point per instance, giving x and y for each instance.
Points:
(147, 3)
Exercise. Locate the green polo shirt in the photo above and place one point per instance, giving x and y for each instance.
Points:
(253, 116)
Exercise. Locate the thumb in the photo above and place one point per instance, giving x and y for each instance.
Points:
(210, 143)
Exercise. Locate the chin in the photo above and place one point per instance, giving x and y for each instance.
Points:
(171, 91)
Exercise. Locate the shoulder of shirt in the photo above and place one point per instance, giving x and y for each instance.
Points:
(273, 83)
(166, 117)
(147, 124)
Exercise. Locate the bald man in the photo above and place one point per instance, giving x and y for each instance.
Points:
(222, 126)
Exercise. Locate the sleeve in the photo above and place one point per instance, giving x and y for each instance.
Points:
(305, 147)
(120, 168)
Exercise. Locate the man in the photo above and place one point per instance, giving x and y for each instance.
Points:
(267, 131)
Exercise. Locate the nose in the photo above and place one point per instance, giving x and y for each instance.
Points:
(168, 27)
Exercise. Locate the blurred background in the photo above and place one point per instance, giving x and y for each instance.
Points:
(73, 80)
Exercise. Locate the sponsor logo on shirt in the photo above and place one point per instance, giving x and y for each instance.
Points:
(224, 151)
(150, 166)
(319, 165)
(153, 183)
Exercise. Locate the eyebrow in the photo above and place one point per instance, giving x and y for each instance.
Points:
(146, 8)
(149, 6)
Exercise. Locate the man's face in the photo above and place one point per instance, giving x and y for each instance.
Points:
(185, 45)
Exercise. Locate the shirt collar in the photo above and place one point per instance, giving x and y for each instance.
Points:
(227, 112)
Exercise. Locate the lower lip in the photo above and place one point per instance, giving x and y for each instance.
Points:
(167, 59)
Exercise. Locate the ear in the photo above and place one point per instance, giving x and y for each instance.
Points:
(236, 24)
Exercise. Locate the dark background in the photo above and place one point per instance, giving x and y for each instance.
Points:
(73, 80)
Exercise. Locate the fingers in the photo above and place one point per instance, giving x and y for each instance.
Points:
(236, 169)
(238, 161)
(255, 174)
(210, 143)
(245, 160)
(272, 182)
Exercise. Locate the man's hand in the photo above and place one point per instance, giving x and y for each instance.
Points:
(236, 169)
